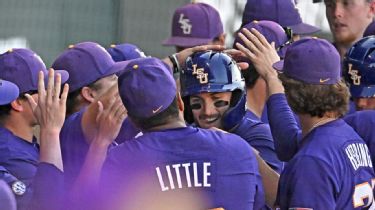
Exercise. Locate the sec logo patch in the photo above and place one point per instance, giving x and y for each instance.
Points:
(18, 188)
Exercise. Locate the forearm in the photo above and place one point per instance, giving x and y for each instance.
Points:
(270, 180)
(50, 151)
(91, 169)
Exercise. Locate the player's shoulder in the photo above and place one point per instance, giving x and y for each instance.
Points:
(224, 141)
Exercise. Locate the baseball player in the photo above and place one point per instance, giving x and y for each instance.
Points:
(256, 91)
(282, 12)
(92, 78)
(8, 93)
(214, 95)
(348, 21)
(323, 173)
(20, 153)
(195, 24)
(177, 158)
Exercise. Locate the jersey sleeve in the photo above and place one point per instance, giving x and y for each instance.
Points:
(284, 127)
(307, 183)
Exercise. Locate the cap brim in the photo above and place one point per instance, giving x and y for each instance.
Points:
(304, 29)
(8, 92)
(362, 91)
(185, 41)
(117, 68)
(279, 65)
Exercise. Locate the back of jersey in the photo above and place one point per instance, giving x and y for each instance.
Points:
(212, 168)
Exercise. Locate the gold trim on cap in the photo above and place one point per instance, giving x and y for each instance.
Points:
(135, 66)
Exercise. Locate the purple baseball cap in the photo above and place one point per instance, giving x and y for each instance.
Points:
(311, 60)
(8, 92)
(370, 30)
(272, 31)
(146, 87)
(194, 24)
(21, 66)
(86, 62)
(124, 52)
(283, 12)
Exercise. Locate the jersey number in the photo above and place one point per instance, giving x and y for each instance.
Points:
(364, 191)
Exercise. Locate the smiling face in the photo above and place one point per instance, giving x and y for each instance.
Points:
(209, 108)
(348, 19)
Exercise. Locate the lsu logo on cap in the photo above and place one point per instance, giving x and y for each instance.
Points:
(354, 75)
(200, 75)
(185, 24)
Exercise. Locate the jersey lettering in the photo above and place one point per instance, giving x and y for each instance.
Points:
(172, 172)
(363, 195)
(358, 155)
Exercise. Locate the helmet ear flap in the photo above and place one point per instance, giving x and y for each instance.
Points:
(237, 110)
(188, 114)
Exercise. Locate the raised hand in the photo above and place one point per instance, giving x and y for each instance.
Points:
(50, 114)
(109, 120)
(50, 108)
(261, 53)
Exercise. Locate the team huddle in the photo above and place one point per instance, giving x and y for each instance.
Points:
(282, 120)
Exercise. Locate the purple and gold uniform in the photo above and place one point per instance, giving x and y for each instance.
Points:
(98, 64)
(337, 171)
(74, 145)
(19, 156)
(259, 136)
(218, 166)
(331, 166)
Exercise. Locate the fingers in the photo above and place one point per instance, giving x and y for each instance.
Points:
(41, 88)
(50, 85)
(243, 65)
(260, 38)
(64, 94)
(100, 111)
(245, 50)
(31, 101)
(57, 87)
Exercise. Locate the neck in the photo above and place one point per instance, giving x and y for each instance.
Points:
(342, 48)
(20, 128)
(171, 124)
(256, 99)
(308, 123)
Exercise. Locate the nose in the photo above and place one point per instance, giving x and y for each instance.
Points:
(209, 109)
(337, 9)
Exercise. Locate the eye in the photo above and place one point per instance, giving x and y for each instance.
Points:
(221, 103)
(195, 106)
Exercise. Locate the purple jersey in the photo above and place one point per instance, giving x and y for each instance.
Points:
(259, 136)
(221, 166)
(287, 133)
(74, 145)
(331, 170)
(363, 122)
(20, 158)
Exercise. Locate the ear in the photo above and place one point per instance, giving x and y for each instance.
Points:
(87, 94)
(372, 9)
(180, 102)
(17, 105)
(222, 39)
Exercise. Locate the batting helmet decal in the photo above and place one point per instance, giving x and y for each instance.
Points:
(211, 71)
(359, 67)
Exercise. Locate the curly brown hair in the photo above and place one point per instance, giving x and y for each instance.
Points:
(316, 100)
